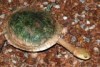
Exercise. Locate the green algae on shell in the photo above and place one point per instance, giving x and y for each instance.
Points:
(32, 26)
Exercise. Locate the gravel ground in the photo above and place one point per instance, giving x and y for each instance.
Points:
(80, 17)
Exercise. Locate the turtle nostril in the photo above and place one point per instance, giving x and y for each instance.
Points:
(86, 56)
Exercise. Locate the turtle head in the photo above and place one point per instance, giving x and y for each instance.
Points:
(82, 53)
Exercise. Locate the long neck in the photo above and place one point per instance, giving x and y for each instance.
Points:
(78, 52)
(66, 45)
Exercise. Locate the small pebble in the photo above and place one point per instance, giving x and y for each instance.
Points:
(96, 49)
(41, 6)
(14, 61)
(76, 15)
(57, 6)
(49, 6)
(59, 55)
(92, 27)
(5, 44)
(44, 8)
(2, 16)
(73, 39)
(82, 1)
(8, 51)
(75, 4)
(10, 8)
(73, 23)
(41, 61)
(34, 55)
(26, 55)
(26, 4)
(64, 52)
(45, 3)
(65, 1)
(98, 42)
(87, 8)
(87, 22)
(65, 17)
(83, 12)
(66, 56)
(86, 39)
(83, 15)
(76, 20)
(83, 26)
(64, 31)
(98, 5)
(86, 29)
(9, 1)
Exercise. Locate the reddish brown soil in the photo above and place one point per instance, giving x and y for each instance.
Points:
(82, 19)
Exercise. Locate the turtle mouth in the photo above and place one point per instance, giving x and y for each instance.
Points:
(32, 26)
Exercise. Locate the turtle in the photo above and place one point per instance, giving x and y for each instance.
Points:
(36, 30)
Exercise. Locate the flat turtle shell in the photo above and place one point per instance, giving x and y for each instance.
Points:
(32, 31)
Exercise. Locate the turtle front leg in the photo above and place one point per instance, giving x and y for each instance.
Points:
(78, 52)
